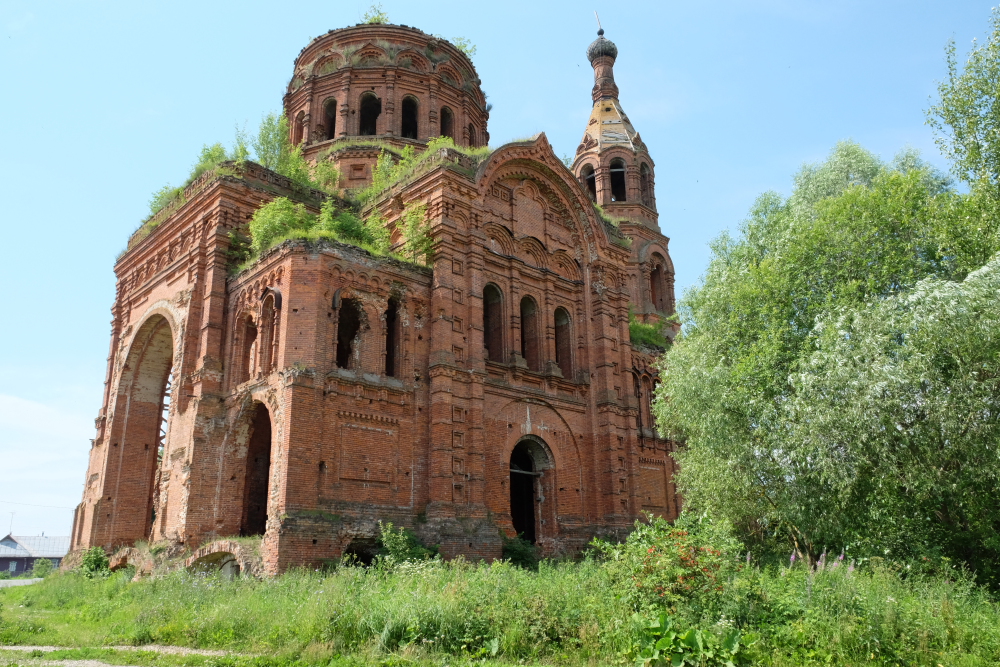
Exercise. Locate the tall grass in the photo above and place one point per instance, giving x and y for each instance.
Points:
(571, 613)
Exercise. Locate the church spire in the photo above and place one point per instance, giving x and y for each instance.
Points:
(602, 54)
(612, 161)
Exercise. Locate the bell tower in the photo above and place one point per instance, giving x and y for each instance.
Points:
(612, 161)
(616, 170)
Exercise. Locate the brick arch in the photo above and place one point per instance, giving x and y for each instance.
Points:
(539, 422)
(535, 160)
(327, 64)
(131, 473)
(534, 249)
(566, 265)
(501, 238)
(214, 554)
(420, 63)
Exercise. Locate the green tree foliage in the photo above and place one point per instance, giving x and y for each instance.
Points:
(896, 423)
(855, 232)
(967, 116)
(208, 159)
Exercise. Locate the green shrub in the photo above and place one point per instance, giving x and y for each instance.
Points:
(275, 219)
(402, 545)
(417, 241)
(520, 552)
(686, 565)
(95, 563)
(43, 567)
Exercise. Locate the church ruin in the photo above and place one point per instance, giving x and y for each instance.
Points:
(324, 387)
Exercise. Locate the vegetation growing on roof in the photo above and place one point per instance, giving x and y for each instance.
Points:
(649, 335)
(390, 171)
(375, 15)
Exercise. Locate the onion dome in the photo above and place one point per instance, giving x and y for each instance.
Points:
(601, 47)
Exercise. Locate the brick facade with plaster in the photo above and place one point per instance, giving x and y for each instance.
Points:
(324, 388)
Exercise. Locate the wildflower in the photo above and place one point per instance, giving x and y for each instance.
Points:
(791, 561)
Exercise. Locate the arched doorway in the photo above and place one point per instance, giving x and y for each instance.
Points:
(258, 474)
(138, 446)
(527, 461)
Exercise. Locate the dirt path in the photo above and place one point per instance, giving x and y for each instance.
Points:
(40, 661)
(7, 583)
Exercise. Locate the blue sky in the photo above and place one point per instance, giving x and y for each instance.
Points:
(105, 102)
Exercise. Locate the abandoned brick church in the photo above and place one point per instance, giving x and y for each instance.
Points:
(324, 388)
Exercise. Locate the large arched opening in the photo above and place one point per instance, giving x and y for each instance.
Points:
(447, 123)
(371, 109)
(144, 393)
(408, 128)
(528, 460)
(330, 116)
(258, 473)
(618, 180)
(589, 178)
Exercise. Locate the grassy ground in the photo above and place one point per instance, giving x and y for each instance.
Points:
(434, 613)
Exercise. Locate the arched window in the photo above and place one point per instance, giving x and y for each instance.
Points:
(298, 132)
(370, 108)
(447, 123)
(529, 333)
(410, 114)
(258, 474)
(472, 135)
(618, 180)
(348, 326)
(644, 185)
(647, 400)
(247, 348)
(564, 349)
(392, 355)
(637, 392)
(523, 496)
(589, 179)
(493, 322)
(330, 117)
(657, 291)
(268, 334)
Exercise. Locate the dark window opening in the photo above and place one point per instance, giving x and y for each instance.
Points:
(447, 123)
(299, 132)
(522, 492)
(472, 135)
(371, 107)
(618, 180)
(563, 347)
(331, 119)
(392, 339)
(268, 338)
(247, 350)
(645, 190)
(656, 291)
(590, 180)
(258, 474)
(409, 128)
(492, 322)
(529, 333)
(348, 326)
(638, 400)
